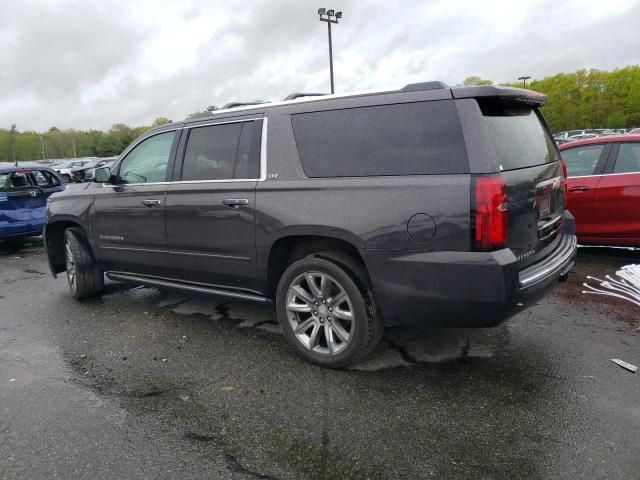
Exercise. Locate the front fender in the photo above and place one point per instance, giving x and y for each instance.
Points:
(70, 208)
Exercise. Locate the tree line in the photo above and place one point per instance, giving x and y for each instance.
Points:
(55, 143)
(577, 100)
(587, 98)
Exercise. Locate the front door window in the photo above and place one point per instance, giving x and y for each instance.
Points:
(148, 161)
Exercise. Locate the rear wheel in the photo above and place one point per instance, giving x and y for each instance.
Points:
(66, 178)
(83, 274)
(326, 310)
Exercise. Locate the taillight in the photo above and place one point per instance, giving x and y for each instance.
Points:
(489, 213)
(564, 178)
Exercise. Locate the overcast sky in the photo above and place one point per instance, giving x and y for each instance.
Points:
(92, 63)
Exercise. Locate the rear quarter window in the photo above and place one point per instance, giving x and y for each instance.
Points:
(518, 136)
(422, 138)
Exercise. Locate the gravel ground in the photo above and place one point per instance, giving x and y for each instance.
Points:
(146, 383)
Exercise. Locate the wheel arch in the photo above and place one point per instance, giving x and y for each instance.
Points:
(287, 249)
(53, 239)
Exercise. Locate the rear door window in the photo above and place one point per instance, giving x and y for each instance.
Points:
(223, 152)
(582, 161)
(15, 181)
(422, 138)
(211, 152)
(628, 160)
(518, 136)
(5, 179)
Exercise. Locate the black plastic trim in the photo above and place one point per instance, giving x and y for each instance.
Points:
(160, 282)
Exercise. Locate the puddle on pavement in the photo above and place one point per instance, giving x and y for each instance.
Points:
(400, 347)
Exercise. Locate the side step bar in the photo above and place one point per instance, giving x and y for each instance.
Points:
(126, 277)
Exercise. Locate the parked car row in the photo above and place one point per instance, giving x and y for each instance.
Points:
(77, 169)
(572, 135)
(86, 172)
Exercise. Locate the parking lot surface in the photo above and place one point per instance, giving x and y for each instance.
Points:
(145, 383)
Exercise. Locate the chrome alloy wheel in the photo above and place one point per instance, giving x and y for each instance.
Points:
(71, 265)
(320, 313)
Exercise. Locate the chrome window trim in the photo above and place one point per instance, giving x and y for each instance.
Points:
(263, 151)
(263, 158)
(606, 175)
(222, 122)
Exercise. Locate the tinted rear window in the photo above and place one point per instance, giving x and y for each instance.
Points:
(422, 138)
(518, 136)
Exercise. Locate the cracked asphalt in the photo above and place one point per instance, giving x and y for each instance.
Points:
(145, 383)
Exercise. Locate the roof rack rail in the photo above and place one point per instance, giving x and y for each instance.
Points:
(417, 87)
(293, 96)
(240, 104)
(204, 113)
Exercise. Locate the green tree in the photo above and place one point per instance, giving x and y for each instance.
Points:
(12, 141)
(615, 120)
(591, 98)
(475, 81)
(160, 121)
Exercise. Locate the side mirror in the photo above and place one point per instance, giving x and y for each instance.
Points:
(102, 175)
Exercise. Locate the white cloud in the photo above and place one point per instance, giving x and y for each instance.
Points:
(94, 63)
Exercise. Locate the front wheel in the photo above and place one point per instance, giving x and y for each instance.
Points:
(66, 178)
(83, 274)
(326, 310)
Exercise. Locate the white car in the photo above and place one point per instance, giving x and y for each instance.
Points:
(64, 168)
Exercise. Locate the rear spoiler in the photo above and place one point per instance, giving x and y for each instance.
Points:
(501, 94)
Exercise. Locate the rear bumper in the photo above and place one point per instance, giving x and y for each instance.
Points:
(463, 289)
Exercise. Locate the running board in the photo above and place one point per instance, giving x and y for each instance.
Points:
(125, 277)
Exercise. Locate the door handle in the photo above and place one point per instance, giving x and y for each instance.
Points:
(235, 202)
(152, 203)
(578, 189)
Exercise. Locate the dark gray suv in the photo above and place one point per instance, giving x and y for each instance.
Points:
(432, 205)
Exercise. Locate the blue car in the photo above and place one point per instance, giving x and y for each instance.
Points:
(24, 190)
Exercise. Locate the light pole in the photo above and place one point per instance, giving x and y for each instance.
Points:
(524, 81)
(330, 16)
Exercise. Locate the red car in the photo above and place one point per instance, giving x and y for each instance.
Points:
(604, 189)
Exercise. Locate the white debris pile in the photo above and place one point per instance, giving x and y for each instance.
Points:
(625, 365)
(626, 286)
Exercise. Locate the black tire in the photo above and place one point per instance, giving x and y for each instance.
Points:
(88, 279)
(66, 178)
(367, 326)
